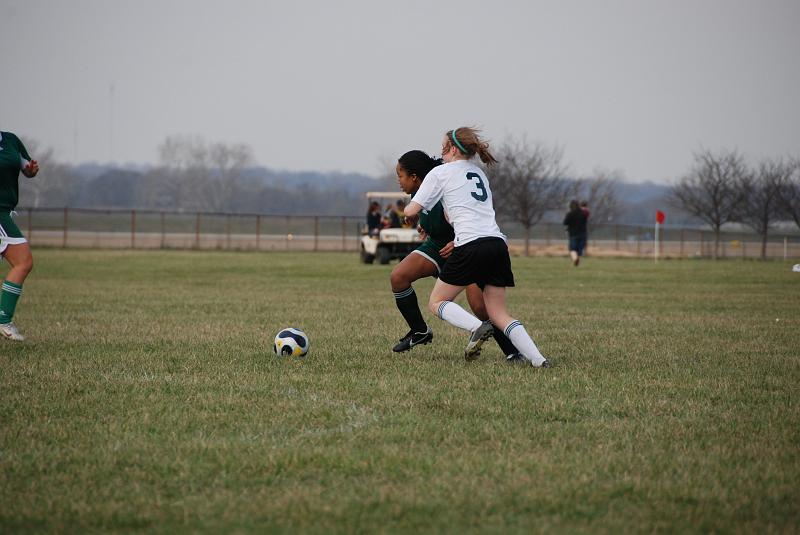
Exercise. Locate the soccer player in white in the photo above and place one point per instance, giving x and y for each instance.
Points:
(481, 253)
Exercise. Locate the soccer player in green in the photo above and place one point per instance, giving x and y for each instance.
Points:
(428, 259)
(13, 245)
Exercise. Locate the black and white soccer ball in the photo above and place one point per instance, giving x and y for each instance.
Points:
(291, 342)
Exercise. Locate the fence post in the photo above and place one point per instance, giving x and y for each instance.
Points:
(197, 231)
(258, 232)
(316, 232)
(64, 242)
(681, 243)
(638, 241)
(163, 236)
(701, 245)
(228, 231)
(344, 233)
(133, 229)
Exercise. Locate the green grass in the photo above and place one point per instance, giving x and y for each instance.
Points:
(147, 398)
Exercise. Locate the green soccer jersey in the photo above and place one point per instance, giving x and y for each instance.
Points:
(12, 153)
(436, 226)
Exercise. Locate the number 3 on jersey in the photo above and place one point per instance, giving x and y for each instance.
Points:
(482, 196)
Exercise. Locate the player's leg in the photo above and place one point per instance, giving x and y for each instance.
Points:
(476, 303)
(495, 298)
(441, 303)
(412, 268)
(573, 250)
(20, 259)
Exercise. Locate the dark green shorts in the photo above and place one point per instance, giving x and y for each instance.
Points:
(430, 250)
(10, 234)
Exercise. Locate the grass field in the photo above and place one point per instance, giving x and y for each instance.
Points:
(147, 398)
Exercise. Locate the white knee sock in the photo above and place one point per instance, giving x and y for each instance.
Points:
(453, 314)
(520, 338)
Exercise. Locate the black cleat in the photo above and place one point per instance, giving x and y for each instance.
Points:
(413, 339)
(546, 364)
(516, 358)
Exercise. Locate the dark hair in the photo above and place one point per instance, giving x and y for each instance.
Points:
(471, 143)
(417, 162)
(573, 205)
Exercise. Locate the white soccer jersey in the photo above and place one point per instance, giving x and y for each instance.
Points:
(464, 191)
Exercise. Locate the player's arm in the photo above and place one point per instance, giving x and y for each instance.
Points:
(28, 165)
(427, 195)
(412, 209)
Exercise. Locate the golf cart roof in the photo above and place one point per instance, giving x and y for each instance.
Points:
(387, 195)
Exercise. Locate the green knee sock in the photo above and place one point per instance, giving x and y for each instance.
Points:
(406, 301)
(8, 300)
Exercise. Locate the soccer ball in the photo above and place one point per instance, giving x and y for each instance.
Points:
(291, 342)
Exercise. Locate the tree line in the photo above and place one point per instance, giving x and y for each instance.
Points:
(722, 187)
(194, 175)
(531, 183)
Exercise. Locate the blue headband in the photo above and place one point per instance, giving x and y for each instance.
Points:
(455, 140)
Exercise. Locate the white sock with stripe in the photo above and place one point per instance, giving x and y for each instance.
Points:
(524, 343)
(453, 314)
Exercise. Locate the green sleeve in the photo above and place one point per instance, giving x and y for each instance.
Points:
(21, 148)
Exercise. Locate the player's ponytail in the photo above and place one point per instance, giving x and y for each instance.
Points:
(417, 162)
(469, 143)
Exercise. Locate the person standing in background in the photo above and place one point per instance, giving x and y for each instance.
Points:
(575, 221)
(374, 218)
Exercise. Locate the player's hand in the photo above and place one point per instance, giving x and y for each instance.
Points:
(422, 233)
(447, 250)
(411, 220)
(31, 169)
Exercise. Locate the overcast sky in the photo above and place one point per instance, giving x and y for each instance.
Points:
(634, 86)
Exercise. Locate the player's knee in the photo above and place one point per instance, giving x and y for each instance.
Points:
(399, 280)
(25, 266)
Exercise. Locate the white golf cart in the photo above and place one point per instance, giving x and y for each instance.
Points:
(389, 243)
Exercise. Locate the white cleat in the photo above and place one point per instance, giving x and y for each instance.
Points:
(10, 331)
(476, 340)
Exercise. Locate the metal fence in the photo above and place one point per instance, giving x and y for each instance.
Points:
(150, 229)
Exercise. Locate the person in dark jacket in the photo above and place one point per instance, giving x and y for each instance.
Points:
(374, 219)
(575, 221)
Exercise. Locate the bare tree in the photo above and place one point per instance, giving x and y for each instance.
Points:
(710, 190)
(528, 181)
(600, 193)
(228, 163)
(789, 194)
(760, 193)
(54, 183)
(196, 175)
